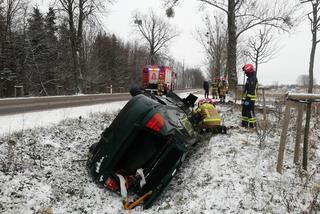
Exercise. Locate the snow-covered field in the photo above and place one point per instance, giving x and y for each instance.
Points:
(44, 167)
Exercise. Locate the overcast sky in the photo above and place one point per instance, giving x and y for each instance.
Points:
(291, 61)
(186, 20)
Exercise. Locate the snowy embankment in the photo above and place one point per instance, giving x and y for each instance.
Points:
(45, 168)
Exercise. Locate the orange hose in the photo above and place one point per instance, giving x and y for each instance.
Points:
(130, 206)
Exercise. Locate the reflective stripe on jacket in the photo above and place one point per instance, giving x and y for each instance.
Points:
(250, 89)
(210, 115)
(249, 120)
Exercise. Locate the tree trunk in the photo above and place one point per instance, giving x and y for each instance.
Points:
(310, 87)
(73, 42)
(1, 90)
(305, 138)
(80, 47)
(75, 61)
(152, 60)
(232, 46)
(256, 64)
(218, 66)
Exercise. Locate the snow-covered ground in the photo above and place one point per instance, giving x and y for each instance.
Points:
(20, 122)
(44, 167)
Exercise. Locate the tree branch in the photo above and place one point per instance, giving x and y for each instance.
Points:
(215, 4)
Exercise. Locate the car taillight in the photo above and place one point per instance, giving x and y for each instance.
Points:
(156, 122)
(112, 184)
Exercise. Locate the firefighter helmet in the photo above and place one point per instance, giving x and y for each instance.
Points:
(248, 68)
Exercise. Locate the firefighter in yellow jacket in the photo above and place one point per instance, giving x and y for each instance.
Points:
(160, 87)
(222, 88)
(214, 89)
(207, 116)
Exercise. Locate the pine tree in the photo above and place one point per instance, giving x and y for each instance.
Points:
(7, 56)
(37, 56)
(52, 51)
(64, 60)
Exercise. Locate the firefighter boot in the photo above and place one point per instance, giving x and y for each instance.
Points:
(252, 125)
(244, 124)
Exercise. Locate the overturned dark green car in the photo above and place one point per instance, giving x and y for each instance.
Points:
(142, 149)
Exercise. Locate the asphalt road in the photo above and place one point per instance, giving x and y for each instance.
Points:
(22, 105)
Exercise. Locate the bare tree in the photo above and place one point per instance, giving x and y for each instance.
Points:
(11, 9)
(179, 70)
(214, 39)
(156, 32)
(79, 11)
(11, 12)
(303, 80)
(314, 18)
(260, 48)
(244, 15)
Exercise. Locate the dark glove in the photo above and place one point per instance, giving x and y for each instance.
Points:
(245, 98)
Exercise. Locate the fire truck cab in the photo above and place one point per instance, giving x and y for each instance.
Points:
(153, 74)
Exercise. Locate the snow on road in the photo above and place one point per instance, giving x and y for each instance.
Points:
(45, 167)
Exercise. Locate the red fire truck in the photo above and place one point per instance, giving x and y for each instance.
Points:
(152, 74)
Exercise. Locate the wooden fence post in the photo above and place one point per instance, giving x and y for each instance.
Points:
(283, 137)
(298, 134)
(264, 106)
